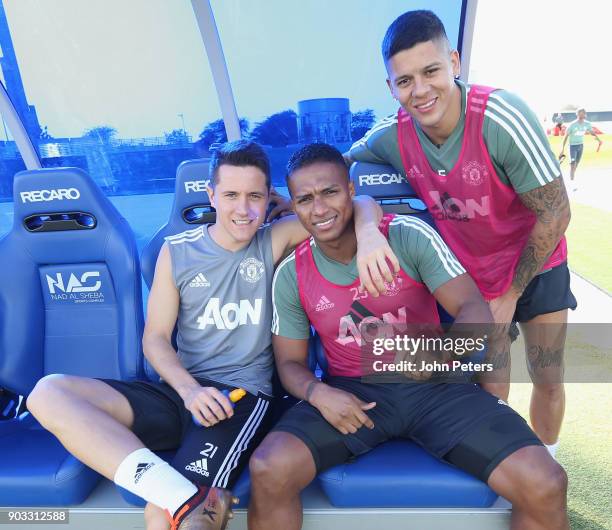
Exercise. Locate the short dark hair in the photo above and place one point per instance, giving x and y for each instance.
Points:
(410, 29)
(312, 154)
(240, 153)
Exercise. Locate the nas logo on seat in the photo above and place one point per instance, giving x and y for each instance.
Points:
(87, 286)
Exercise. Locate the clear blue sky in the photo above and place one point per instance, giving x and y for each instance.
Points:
(138, 64)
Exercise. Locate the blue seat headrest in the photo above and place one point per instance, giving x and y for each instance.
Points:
(387, 185)
(48, 199)
(191, 207)
(192, 177)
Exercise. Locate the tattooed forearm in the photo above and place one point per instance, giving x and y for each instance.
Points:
(551, 206)
(549, 202)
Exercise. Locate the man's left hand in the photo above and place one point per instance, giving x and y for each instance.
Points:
(374, 255)
(282, 206)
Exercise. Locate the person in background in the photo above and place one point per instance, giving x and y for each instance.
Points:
(575, 133)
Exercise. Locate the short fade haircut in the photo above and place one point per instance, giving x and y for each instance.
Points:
(240, 153)
(312, 154)
(581, 109)
(410, 29)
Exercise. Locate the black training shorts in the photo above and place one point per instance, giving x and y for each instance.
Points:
(211, 456)
(457, 422)
(548, 292)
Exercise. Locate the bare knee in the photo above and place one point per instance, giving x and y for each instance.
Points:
(549, 391)
(44, 396)
(269, 470)
(545, 487)
(56, 398)
(281, 464)
(552, 484)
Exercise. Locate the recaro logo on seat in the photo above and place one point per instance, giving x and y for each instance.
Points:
(74, 285)
(59, 194)
(381, 178)
(196, 185)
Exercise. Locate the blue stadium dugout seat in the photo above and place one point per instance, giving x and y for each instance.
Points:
(398, 473)
(191, 208)
(70, 300)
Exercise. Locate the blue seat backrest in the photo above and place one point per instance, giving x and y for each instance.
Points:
(389, 187)
(191, 208)
(70, 289)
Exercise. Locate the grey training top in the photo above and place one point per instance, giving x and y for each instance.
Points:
(225, 312)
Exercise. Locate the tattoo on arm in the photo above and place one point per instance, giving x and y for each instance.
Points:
(551, 206)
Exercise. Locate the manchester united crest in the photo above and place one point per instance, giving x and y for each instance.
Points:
(393, 288)
(474, 173)
(251, 269)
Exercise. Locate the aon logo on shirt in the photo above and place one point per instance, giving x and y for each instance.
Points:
(230, 315)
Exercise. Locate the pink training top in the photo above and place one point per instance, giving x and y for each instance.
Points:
(481, 219)
(347, 321)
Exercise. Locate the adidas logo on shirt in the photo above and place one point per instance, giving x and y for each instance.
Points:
(199, 281)
(324, 304)
(199, 466)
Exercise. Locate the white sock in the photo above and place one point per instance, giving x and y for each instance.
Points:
(148, 476)
(552, 448)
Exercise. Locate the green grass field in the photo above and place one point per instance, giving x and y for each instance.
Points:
(584, 451)
(590, 229)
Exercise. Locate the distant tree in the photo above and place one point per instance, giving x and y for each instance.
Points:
(104, 133)
(45, 136)
(361, 123)
(277, 130)
(214, 132)
(176, 136)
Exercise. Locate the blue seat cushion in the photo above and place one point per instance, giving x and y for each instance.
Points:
(402, 474)
(52, 476)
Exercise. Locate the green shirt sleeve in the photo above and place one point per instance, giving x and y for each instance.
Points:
(422, 253)
(379, 145)
(288, 316)
(517, 144)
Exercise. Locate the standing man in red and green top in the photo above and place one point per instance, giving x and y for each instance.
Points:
(575, 132)
(479, 160)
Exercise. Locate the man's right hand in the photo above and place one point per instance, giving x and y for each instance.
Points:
(341, 409)
(208, 405)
